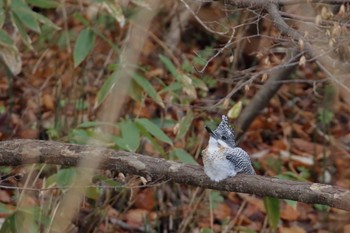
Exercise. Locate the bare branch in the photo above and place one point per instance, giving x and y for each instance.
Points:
(17, 152)
(267, 91)
(272, 9)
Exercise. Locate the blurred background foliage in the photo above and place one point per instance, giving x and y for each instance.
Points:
(60, 61)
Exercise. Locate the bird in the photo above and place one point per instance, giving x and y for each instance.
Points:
(222, 158)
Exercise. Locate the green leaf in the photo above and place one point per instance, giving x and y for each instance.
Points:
(304, 172)
(187, 66)
(108, 181)
(164, 123)
(136, 92)
(322, 208)
(93, 192)
(25, 15)
(169, 65)
(32, 216)
(46, 21)
(90, 124)
(325, 116)
(80, 136)
(62, 178)
(272, 206)
(106, 88)
(153, 141)
(203, 56)
(6, 209)
(184, 125)
(84, 44)
(206, 230)
(215, 198)
(5, 38)
(148, 88)
(81, 18)
(291, 203)
(131, 135)
(22, 32)
(198, 83)
(154, 130)
(184, 157)
(43, 3)
(288, 175)
(172, 87)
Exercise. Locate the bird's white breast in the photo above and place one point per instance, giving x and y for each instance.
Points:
(216, 166)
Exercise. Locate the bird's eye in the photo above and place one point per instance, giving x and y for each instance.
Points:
(223, 137)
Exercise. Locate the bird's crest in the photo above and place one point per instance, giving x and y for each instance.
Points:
(224, 128)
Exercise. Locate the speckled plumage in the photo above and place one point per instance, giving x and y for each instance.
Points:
(222, 158)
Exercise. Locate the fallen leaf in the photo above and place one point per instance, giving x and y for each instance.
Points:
(300, 131)
(289, 213)
(155, 72)
(311, 148)
(278, 145)
(222, 212)
(138, 217)
(346, 228)
(4, 197)
(48, 101)
(29, 133)
(293, 229)
(145, 199)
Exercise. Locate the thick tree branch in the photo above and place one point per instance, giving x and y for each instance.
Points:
(17, 152)
(268, 90)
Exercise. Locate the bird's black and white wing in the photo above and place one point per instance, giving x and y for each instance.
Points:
(240, 159)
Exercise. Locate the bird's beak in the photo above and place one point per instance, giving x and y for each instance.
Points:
(211, 133)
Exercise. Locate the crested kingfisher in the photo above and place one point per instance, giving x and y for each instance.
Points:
(222, 158)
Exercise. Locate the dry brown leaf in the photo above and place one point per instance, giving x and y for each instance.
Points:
(145, 199)
(346, 228)
(222, 212)
(155, 72)
(311, 148)
(286, 129)
(278, 145)
(300, 131)
(292, 229)
(145, 110)
(16, 120)
(48, 101)
(254, 201)
(112, 212)
(289, 213)
(148, 47)
(137, 217)
(4, 197)
(29, 133)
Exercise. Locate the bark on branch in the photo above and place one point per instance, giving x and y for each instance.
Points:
(17, 152)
